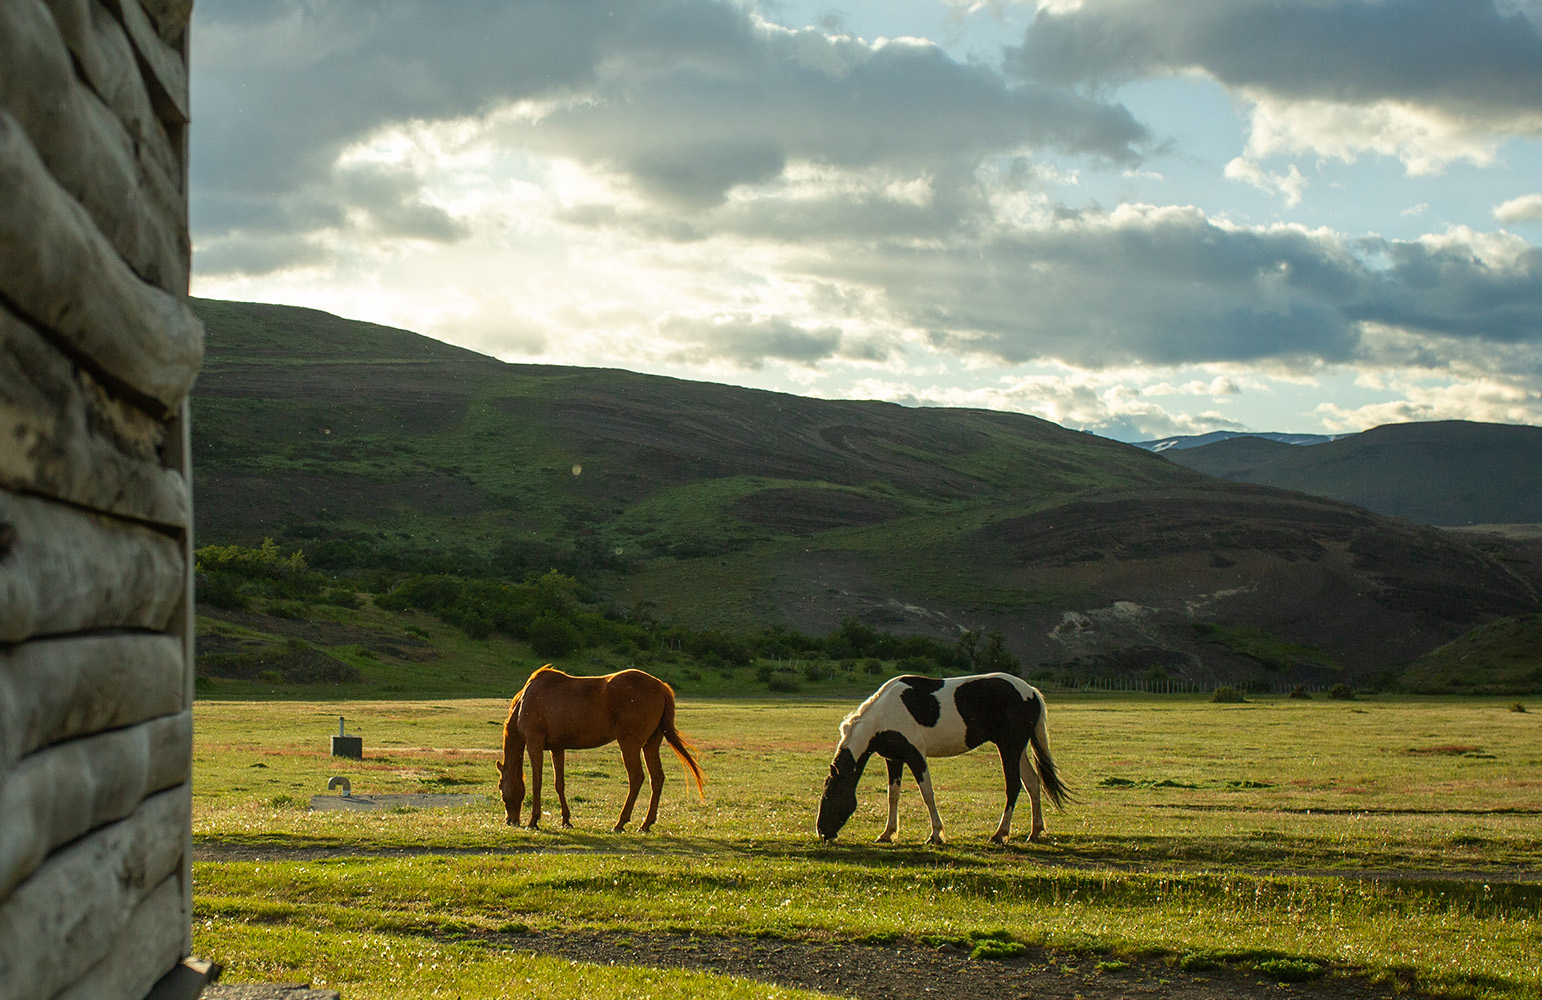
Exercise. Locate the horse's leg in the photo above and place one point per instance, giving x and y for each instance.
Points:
(557, 763)
(655, 777)
(924, 779)
(896, 773)
(630, 756)
(513, 771)
(1011, 769)
(537, 754)
(1030, 777)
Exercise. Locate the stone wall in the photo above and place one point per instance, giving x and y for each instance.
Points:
(98, 350)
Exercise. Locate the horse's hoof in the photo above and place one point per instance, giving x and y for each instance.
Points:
(618, 828)
(644, 828)
(566, 825)
(1036, 837)
(884, 838)
(1000, 838)
(936, 840)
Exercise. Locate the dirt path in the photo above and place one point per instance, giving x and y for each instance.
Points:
(901, 970)
(912, 971)
(247, 852)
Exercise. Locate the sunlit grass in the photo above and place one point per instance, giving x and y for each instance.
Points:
(1263, 829)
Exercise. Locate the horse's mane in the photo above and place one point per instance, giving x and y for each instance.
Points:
(856, 714)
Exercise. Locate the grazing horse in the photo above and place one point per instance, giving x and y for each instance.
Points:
(557, 712)
(909, 719)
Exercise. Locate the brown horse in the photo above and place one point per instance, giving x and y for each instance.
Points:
(557, 712)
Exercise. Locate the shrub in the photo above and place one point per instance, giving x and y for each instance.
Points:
(1300, 691)
(784, 681)
(341, 597)
(1226, 695)
(1341, 692)
(552, 636)
(995, 656)
(222, 590)
(1198, 961)
(1290, 970)
(990, 948)
(1517, 707)
(872, 665)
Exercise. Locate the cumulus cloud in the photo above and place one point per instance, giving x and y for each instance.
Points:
(1487, 399)
(684, 99)
(1429, 81)
(1289, 185)
(747, 341)
(1526, 208)
(1169, 286)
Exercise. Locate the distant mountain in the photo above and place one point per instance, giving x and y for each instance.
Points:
(1444, 473)
(379, 451)
(1184, 441)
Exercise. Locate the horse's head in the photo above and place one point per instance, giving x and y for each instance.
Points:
(840, 797)
(511, 804)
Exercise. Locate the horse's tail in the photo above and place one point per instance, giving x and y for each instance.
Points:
(682, 747)
(1044, 762)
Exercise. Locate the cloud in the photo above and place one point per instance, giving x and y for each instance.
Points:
(1526, 208)
(692, 130)
(746, 341)
(1115, 403)
(1289, 185)
(1425, 80)
(685, 100)
(1488, 399)
(1170, 286)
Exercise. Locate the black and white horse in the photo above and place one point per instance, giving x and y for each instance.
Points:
(909, 719)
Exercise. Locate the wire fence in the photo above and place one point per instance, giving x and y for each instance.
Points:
(1174, 685)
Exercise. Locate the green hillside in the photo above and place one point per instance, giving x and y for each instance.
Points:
(386, 456)
(1503, 657)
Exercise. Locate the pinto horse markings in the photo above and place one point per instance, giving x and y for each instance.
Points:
(558, 712)
(909, 719)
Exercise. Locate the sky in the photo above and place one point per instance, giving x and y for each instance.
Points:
(1138, 218)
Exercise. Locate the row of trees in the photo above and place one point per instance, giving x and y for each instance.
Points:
(557, 615)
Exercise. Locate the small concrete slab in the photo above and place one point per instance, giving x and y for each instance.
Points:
(365, 803)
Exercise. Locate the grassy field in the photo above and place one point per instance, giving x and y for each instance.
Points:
(1379, 835)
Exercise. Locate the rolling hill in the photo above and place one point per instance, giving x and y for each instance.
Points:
(374, 449)
(1446, 472)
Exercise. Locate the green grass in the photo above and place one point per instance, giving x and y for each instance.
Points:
(1271, 651)
(1369, 835)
